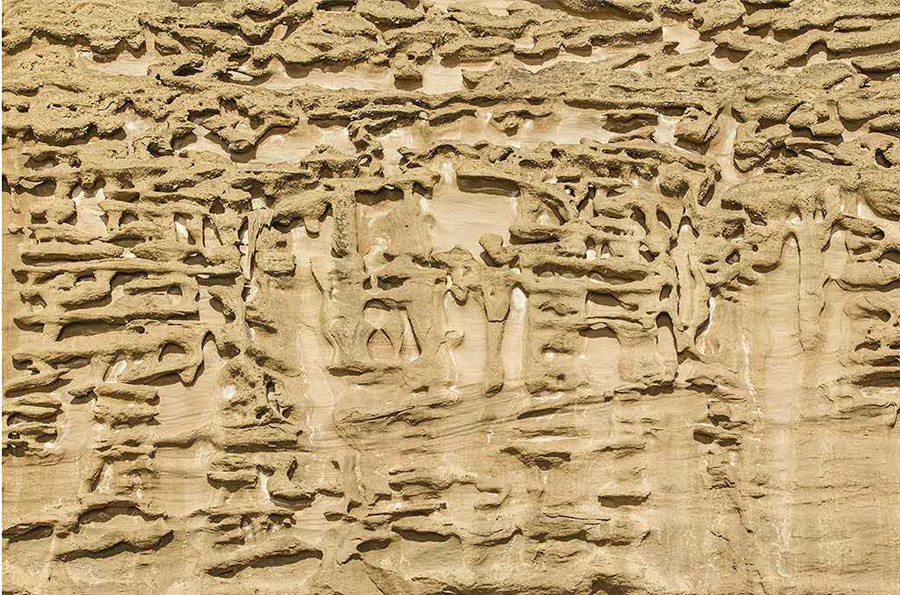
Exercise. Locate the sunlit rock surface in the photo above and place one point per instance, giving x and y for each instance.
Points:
(436, 297)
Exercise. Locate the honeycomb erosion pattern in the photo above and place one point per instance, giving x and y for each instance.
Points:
(449, 297)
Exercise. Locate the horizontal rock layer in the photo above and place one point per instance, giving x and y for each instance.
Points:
(451, 297)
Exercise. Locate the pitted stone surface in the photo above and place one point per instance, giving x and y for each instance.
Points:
(427, 297)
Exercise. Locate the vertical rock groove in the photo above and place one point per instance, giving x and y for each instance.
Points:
(429, 297)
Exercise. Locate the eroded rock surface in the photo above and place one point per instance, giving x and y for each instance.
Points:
(451, 297)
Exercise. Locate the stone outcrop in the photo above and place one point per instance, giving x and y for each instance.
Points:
(420, 297)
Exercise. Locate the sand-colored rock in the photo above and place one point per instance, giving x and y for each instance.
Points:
(421, 297)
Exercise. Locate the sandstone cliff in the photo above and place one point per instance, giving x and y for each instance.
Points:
(382, 297)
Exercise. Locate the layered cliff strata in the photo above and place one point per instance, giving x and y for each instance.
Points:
(444, 296)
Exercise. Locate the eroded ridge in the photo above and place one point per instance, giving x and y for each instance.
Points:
(440, 296)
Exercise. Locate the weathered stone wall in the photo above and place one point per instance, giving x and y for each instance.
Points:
(421, 297)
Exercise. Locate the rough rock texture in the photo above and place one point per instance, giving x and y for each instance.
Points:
(451, 297)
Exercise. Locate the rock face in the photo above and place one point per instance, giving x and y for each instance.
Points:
(435, 297)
